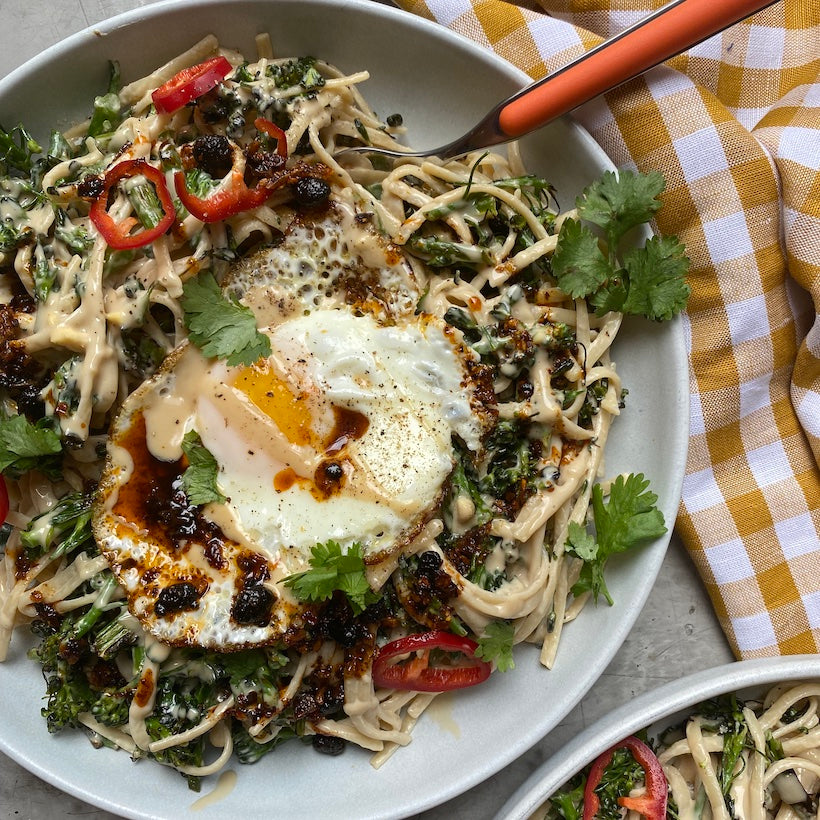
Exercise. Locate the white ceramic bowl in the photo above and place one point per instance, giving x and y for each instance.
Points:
(655, 710)
(442, 84)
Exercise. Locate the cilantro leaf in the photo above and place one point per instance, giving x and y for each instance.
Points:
(569, 801)
(578, 262)
(495, 645)
(627, 519)
(612, 296)
(199, 479)
(629, 516)
(25, 446)
(648, 281)
(656, 276)
(592, 579)
(584, 545)
(618, 202)
(331, 570)
(221, 327)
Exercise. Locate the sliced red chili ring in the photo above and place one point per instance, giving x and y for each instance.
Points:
(652, 804)
(4, 500)
(236, 196)
(273, 130)
(189, 84)
(117, 234)
(225, 202)
(416, 674)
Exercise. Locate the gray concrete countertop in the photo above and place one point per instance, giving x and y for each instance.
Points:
(677, 632)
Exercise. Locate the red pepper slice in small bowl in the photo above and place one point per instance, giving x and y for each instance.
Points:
(417, 675)
(190, 84)
(4, 500)
(117, 234)
(651, 804)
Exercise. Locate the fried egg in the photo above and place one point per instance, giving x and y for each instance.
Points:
(325, 262)
(344, 433)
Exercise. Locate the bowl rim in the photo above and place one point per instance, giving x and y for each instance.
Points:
(378, 8)
(656, 705)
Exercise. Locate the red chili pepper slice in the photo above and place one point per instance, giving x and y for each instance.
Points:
(273, 130)
(417, 675)
(4, 500)
(236, 197)
(189, 84)
(652, 804)
(222, 203)
(117, 234)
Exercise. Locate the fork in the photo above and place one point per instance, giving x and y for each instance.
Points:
(666, 32)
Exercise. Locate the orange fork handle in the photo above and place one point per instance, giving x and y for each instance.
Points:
(671, 30)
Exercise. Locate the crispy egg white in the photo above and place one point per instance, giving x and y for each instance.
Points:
(326, 261)
(344, 433)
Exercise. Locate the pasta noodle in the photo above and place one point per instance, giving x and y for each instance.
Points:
(85, 324)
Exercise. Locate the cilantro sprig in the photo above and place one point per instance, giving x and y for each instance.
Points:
(25, 446)
(220, 327)
(648, 281)
(332, 569)
(199, 478)
(496, 644)
(627, 519)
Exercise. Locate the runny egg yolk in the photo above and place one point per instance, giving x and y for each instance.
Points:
(289, 411)
(274, 397)
(344, 432)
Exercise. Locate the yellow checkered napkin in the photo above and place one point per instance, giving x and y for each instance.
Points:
(734, 126)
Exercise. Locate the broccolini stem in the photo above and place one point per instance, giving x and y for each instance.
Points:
(146, 203)
(114, 636)
(98, 607)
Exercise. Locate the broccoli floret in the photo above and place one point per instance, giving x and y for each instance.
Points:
(68, 524)
(111, 709)
(77, 679)
(111, 637)
(297, 72)
(67, 688)
(68, 696)
(254, 670)
(13, 237)
(76, 239)
(440, 253)
(180, 704)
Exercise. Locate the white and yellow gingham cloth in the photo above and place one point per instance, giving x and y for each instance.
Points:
(734, 126)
